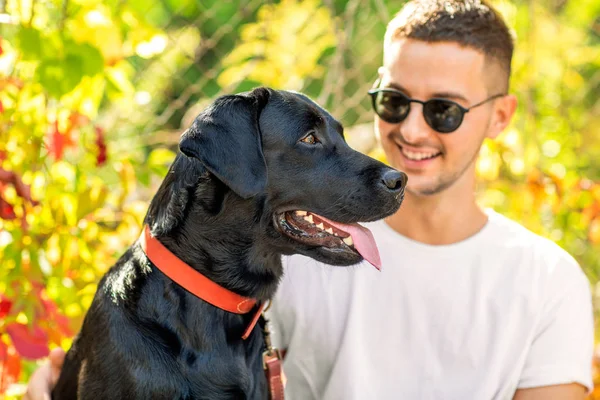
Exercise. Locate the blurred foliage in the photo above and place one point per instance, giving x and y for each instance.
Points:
(61, 223)
(90, 92)
(282, 48)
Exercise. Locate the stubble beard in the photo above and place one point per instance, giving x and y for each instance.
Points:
(445, 181)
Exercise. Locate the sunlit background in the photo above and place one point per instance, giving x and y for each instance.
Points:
(94, 96)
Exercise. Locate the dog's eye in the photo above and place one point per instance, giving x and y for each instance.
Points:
(309, 139)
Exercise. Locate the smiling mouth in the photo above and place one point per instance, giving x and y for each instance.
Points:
(419, 155)
(314, 230)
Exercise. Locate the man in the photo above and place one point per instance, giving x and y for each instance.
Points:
(468, 305)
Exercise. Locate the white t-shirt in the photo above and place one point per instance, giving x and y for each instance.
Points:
(502, 310)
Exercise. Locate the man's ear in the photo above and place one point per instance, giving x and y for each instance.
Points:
(226, 138)
(504, 109)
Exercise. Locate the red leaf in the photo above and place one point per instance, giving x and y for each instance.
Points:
(22, 189)
(7, 211)
(58, 141)
(101, 143)
(1, 105)
(5, 306)
(29, 343)
(52, 312)
(10, 366)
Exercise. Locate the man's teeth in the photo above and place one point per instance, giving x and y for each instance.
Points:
(413, 155)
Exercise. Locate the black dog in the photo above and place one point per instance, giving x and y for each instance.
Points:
(262, 174)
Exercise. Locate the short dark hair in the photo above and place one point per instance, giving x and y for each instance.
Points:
(470, 23)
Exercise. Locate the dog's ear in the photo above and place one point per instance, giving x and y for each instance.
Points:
(226, 138)
(169, 205)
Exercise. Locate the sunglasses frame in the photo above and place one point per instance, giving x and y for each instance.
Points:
(374, 92)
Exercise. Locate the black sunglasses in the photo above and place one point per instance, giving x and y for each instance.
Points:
(442, 115)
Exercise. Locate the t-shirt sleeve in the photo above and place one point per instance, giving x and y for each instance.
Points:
(563, 344)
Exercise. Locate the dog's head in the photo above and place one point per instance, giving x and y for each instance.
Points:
(272, 170)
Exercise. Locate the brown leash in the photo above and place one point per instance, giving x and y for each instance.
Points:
(272, 364)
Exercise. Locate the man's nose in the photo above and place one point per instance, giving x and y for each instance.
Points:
(414, 128)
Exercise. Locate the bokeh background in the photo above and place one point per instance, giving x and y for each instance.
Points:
(94, 95)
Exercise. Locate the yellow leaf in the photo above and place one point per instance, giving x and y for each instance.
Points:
(22, 318)
(63, 173)
(86, 96)
(152, 47)
(161, 156)
(96, 27)
(594, 231)
(91, 199)
(84, 252)
(86, 301)
(69, 206)
(120, 80)
(127, 177)
(88, 275)
(88, 289)
(73, 310)
(488, 163)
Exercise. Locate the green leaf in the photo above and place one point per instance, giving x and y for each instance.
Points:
(91, 58)
(143, 174)
(29, 41)
(58, 76)
(183, 8)
(90, 200)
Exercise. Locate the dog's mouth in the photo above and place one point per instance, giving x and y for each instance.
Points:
(315, 230)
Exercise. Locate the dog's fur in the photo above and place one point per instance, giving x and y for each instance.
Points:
(241, 164)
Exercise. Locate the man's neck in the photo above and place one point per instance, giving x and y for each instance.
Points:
(444, 218)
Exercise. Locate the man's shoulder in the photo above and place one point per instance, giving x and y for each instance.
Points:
(508, 236)
(507, 232)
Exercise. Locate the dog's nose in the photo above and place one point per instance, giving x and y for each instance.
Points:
(394, 180)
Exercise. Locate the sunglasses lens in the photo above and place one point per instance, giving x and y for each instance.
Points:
(443, 116)
(391, 107)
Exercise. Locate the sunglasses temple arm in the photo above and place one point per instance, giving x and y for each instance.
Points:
(486, 100)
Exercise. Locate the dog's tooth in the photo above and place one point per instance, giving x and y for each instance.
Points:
(301, 213)
(329, 230)
(348, 240)
(320, 225)
(309, 219)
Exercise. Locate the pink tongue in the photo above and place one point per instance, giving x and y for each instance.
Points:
(362, 238)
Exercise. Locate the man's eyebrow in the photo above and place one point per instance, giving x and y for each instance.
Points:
(451, 96)
(445, 95)
(397, 87)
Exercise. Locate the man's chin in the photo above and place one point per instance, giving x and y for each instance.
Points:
(422, 188)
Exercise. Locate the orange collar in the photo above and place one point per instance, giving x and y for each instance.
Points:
(196, 283)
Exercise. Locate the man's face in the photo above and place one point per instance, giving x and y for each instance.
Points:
(421, 70)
